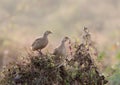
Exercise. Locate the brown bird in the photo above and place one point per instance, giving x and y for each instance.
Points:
(41, 43)
(61, 50)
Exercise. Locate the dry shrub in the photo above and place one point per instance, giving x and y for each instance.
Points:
(42, 69)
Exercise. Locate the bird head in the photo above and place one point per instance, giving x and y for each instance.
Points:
(65, 39)
(47, 32)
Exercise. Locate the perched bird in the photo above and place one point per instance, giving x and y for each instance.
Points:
(41, 43)
(61, 50)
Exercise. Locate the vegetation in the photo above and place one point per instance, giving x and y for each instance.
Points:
(43, 70)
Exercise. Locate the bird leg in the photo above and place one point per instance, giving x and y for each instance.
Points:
(40, 52)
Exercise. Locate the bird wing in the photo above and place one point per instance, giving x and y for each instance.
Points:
(37, 43)
(55, 51)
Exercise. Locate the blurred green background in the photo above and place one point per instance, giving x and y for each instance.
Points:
(21, 21)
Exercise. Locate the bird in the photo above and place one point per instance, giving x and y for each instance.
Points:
(60, 53)
(41, 42)
(61, 50)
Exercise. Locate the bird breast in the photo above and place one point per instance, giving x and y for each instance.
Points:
(61, 51)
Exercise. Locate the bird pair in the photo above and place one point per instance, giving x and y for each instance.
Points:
(42, 42)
